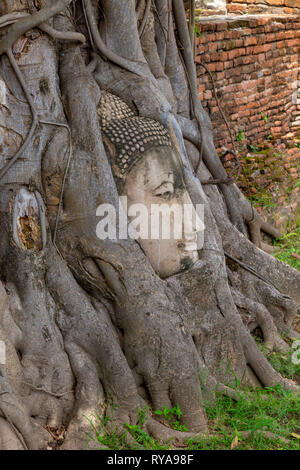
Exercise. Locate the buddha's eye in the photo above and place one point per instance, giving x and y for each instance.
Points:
(165, 195)
(165, 191)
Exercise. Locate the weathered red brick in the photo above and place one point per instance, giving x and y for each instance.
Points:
(236, 9)
(292, 3)
(293, 42)
(250, 41)
(236, 53)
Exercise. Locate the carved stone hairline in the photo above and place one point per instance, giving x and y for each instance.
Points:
(128, 136)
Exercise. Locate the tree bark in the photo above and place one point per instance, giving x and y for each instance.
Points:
(88, 322)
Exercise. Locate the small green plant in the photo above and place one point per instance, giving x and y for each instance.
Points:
(263, 200)
(241, 135)
(198, 32)
(142, 416)
(253, 149)
(111, 436)
(173, 415)
(264, 117)
(142, 438)
(279, 390)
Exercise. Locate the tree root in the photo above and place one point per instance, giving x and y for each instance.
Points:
(53, 33)
(256, 223)
(267, 434)
(58, 124)
(145, 18)
(8, 419)
(48, 392)
(16, 415)
(29, 22)
(133, 67)
(34, 123)
(21, 27)
(167, 435)
(264, 319)
(62, 35)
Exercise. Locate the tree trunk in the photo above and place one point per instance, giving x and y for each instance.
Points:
(87, 322)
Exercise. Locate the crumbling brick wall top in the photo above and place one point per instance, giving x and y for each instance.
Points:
(287, 7)
(252, 7)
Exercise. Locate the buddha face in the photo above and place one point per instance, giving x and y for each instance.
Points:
(156, 180)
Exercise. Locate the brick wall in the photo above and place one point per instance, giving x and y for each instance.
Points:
(252, 7)
(288, 7)
(255, 65)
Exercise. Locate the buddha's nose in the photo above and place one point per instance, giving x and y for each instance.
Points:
(189, 242)
(190, 237)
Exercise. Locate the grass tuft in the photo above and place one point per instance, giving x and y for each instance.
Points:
(288, 246)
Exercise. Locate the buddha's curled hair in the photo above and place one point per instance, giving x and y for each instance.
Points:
(126, 135)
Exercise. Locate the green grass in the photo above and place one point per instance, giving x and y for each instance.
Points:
(131, 437)
(173, 416)
(263, 200)
(241, 135)
(272, 409)
(286, 246)
(282, 362)
(275, 410)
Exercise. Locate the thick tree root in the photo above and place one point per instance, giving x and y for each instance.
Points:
(264, 320)
(26, 23)
(167, 435)
(267, 434)
(96, 324)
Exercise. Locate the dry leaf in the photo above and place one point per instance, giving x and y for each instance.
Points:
(234, 443)
(297, 436)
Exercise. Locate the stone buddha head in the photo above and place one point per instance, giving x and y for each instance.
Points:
(148, 171)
